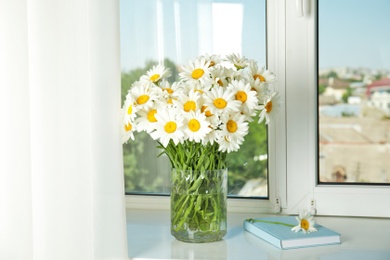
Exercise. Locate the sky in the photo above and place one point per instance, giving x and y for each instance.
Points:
(352, 33)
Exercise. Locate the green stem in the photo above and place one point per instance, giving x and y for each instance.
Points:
(196, 184)
(195, 156)
(185, 215)
(251, 220)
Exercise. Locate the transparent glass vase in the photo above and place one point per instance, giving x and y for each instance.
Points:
(198, 205)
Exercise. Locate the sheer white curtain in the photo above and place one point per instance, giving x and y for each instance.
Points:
(61, 178)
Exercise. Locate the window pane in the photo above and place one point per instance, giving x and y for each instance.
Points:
(173, 32)
(354, 91)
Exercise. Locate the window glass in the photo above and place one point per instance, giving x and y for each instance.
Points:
(171, 32)
(354, 91)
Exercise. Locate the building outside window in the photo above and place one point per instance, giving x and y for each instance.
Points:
(353, 92)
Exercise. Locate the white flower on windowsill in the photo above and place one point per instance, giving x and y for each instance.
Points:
(305, 222)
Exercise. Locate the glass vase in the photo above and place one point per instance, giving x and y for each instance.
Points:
(198, 205)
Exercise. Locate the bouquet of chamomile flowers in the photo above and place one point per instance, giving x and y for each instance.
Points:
(203, 116)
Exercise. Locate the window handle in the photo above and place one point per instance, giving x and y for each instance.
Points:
(299, 8)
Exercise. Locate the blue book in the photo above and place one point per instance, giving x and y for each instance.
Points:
(283, 237)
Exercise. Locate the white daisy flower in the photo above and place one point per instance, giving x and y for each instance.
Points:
(214, 122)
(147, 119)
(221, 101)
(260, 88)
(129, 110)
(306, 222)
(170, 92)
(144, 94)
(188, 102)
(187, 86)
(196, 127)
(156, 73)
(238, 61)
(232, 133)
(211, 137)
(197, 70)
(128, 131)
(270, 107)
(213, 59)
(233, 74)
(247, 97)
(168, 126)
(218, 77)
(226, 144)
(204, 109)
(261, 74)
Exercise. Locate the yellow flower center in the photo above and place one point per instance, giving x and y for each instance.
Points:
(170, 127)
(212, 63)
(197, 73)
(169, 90)
(130, 110)
(142, 99)
(128, 127)
(231, 126)
(206, 112)
(268, 106)
(189, 105)
(194, 125)
(220, 83)
(155, 77)
(305, 224)
(170, 101)
(241, 95)
(257, 76)
(199, 90)
(220, 103)
(151, 116)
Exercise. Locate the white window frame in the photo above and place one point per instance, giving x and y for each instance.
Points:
(301, 81)
(292, 55)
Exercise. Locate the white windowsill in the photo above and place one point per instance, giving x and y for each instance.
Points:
(149, 238)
